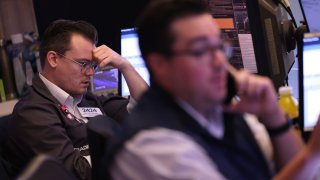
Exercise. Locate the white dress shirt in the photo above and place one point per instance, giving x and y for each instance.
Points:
(162, 153)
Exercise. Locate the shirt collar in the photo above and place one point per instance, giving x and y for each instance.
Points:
(214, 124)
(62, 96)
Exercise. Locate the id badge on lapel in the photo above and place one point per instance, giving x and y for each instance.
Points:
(89, 112)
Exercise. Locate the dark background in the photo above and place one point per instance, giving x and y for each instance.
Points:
(108, 16)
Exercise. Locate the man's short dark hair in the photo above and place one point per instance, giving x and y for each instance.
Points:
(154, 23)
(57, 36)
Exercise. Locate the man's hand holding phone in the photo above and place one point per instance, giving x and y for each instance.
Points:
(257, 96)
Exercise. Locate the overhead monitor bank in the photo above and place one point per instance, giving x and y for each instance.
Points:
(257, 30)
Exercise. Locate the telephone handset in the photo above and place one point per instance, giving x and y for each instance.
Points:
(231, 89)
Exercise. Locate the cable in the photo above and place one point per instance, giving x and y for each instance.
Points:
(292, 17)
(288, 9)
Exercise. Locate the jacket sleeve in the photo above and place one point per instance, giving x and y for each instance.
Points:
(115, 107)
(39, 129)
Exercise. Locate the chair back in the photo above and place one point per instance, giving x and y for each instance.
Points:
(4, 165)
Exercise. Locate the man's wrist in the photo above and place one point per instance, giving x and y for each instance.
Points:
(280, 129)
(274, 119)
(124, 65)
(276, 122)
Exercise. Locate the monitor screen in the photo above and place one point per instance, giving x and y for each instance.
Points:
(311, 9)
(131, 51)
(105, 82)
(232, 18)
(310, 76)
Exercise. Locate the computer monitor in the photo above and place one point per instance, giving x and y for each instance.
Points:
(131, 51)
(309, 80)
(105, 82)
(255, 29)
(310, 10)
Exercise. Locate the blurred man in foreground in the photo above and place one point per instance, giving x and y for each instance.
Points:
(182, 129)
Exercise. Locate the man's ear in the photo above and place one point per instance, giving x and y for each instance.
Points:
(158, 64)
(52, 59)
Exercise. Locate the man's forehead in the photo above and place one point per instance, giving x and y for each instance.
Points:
(79, 41)
(201, 40)
(196, 28)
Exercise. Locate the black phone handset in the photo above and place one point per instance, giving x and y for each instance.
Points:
(231, 89)
(231, 82)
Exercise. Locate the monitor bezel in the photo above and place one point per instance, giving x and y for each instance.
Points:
(257, 12)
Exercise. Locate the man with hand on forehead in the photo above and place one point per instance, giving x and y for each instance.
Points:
(50, 119)
(182, 129)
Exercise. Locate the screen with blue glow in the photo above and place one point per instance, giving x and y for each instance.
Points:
(105, 82)
(131, 51)
(311, 81)
(311, 10)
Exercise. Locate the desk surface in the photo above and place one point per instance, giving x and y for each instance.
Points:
(7, 107)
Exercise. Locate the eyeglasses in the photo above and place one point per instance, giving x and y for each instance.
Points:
(206, 51)
(85, 64)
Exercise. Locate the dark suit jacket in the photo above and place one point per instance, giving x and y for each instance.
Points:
(40, 126)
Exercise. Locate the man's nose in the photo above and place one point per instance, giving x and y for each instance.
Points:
(218, 59)
(90, 71)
